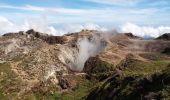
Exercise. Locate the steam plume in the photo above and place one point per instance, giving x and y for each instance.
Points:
(88, 48)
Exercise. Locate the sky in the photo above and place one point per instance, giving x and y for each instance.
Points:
(57, 17)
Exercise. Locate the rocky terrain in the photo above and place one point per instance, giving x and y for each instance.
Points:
(90, 65)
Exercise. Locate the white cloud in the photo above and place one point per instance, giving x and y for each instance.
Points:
(116, 15)
(78, 11)
(42, 24)
(6, 25)
(78, 27)
(147, 11)
(92, 26)
(145, 31)
(114, 2)
(27, 7)
(45, 9)
(39, 24)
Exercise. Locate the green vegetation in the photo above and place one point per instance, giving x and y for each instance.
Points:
(99, 69)
(139, 80)
(140, 68)
(153, 56)
(7, 79)
(77, 93)
(80, 91)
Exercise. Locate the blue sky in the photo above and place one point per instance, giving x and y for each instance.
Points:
(144, 12)
(108, 13)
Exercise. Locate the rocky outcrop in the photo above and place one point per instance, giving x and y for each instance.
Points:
(97, 68)
(130, 35)
(95, 65)
(47, 38)
(13, 34)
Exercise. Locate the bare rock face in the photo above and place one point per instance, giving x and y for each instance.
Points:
(47, 38)
(165, 36)
(35, 56)
(12, 34)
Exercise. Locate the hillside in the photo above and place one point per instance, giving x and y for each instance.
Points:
(89, 65)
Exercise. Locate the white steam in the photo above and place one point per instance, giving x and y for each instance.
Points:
(145, 31)
(88, 48)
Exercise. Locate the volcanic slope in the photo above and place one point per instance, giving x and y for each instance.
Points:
(83, 65)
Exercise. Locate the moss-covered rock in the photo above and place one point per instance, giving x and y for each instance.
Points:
(95, 67)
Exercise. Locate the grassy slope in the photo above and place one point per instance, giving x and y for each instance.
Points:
(136, 74)
(9, 83)
(139, 80)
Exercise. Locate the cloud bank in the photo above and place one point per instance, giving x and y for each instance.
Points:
(6, 25)
(37, 24)
(145, 31)
(41, 24)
